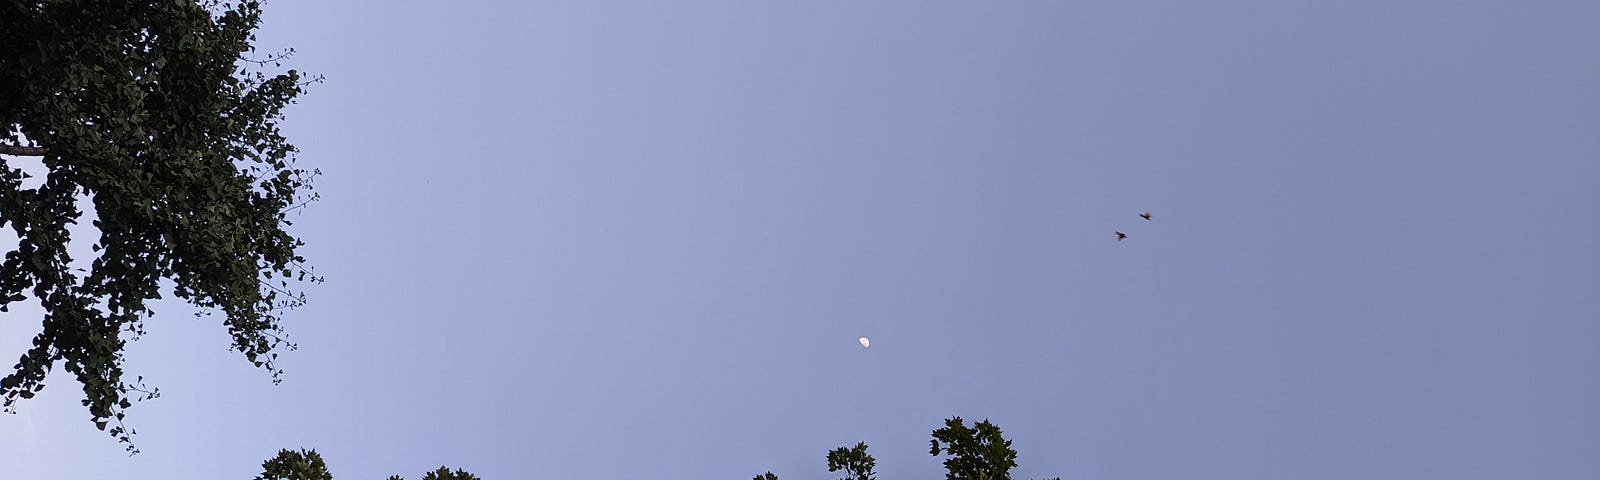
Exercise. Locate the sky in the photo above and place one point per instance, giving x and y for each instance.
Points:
(619, 240)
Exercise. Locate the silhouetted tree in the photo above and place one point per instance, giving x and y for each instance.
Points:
(443, 473)
(855, 462)
(151, 112)
(292, 465)
(977, 453)
(308, 465)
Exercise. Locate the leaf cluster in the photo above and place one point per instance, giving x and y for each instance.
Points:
(151, 113)
(979, 452)
(976, 453)
(443, 473)
(308, 465)
(855, 462)
(295, 465)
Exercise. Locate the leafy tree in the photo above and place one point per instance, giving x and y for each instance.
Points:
(292, 465)
(855, 462)
(150, 112)
(308, 465)
(443, 474)
(977, 453)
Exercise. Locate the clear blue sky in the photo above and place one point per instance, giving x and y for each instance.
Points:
(622, 240)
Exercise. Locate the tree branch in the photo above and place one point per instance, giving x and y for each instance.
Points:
(21, 151)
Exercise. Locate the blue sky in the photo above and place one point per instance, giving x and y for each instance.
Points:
(593, 239)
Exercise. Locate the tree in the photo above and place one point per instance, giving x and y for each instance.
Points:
(443, 473)
(978, 453)
(308, 465)
(292, 465)
(150, 113)
(855, 462)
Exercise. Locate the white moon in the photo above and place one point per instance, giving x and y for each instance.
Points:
(865, 342)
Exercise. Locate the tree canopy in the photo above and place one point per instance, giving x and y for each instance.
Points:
(979, 452)
(308, 465)
(158, 117)
(295, 465)
(443, 473)
(976, 453)
(855, 462)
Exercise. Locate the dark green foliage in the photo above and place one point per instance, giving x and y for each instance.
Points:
(855, 462)
(142, 110)
(292, 465)
(978, 453)
(307, 465)
(443, 474)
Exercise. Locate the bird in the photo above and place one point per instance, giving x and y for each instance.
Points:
(1121, 236)
(1145, 215)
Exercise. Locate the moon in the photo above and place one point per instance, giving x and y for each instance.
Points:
(865, 342)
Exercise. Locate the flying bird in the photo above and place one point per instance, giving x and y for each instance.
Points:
(1121, 236)
(865, 342)
(1145, 215)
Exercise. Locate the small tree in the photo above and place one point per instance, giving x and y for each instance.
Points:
(855, 462)
(978, 453)
(443, 473)
(292, 465)
(308, 465)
